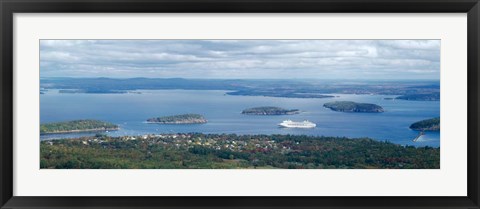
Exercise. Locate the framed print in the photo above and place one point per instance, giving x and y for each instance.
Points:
(264, 104)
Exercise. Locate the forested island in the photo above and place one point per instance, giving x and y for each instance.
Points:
(228, 151)
(269, 111)
(432, 124)
(179, 119)
(77, 126)
(348, 106)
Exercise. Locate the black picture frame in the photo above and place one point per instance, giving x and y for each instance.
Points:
(10, 7)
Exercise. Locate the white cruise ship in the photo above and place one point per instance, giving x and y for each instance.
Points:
(293, 124)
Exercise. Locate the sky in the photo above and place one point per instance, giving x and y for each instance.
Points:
(242, 59)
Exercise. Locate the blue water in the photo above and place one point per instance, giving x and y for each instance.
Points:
(223, 113)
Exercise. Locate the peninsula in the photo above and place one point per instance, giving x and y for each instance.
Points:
(179, 119)
(269, 111)
(75, 126)
(432, 124)
(348, 106)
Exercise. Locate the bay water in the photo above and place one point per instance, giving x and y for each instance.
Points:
(223, 112)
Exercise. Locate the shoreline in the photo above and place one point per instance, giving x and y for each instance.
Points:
(236, 134)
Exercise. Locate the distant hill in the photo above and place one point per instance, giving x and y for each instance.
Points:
(179, 119)
(427, 125)
(269, 111)
(76, 126)
(348, 106)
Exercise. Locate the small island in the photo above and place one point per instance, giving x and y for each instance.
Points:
(269, 111)
(179, 119)
(75, 126)
(348, 106)
(432, 124)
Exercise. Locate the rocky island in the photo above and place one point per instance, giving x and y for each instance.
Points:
(348, 106)
(179, 119)
(269, 111)
(432, 124)
(75, 126)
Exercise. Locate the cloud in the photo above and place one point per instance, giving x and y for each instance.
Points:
(379, 59)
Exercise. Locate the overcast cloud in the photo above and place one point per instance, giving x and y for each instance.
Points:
(322, 59)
